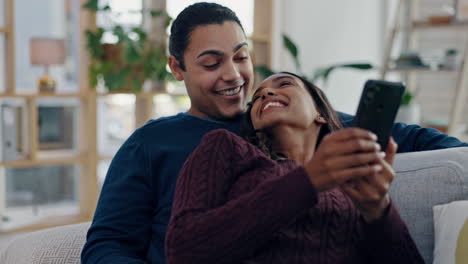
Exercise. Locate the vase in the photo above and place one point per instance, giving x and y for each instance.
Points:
(409, 114)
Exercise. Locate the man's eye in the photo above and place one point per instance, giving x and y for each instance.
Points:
(211, 66)
(284, 83)
(242, 58)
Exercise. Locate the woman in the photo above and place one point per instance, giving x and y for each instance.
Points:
(302, 192)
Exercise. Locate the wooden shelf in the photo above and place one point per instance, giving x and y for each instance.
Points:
(43, 162)
(32, 96)
(260, 38)
(132, 93)
(428, 25)
(48, 222)
(421, 69)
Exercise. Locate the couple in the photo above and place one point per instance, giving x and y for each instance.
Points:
(209, 52)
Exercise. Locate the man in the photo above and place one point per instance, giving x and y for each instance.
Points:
(209, 52)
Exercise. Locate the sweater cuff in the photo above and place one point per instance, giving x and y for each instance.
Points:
(387, 228)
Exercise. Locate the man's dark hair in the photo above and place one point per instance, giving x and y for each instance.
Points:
(263, 142)
(195, 15)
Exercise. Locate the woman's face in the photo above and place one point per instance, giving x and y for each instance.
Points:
(283, 99)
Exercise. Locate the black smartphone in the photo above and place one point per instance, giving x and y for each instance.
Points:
(378, 107)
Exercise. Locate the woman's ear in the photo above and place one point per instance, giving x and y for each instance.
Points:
(320, 119)
(175, 68)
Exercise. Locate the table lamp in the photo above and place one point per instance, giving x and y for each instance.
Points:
(46, 52)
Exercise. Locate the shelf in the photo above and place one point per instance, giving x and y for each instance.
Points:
(27, 96)
(42, 162)
(428, 25)
(132, 93)
(420, 69)
(260, 38)
(44, 222)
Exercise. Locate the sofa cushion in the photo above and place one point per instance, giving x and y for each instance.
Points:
(423, 180)
(55, 245)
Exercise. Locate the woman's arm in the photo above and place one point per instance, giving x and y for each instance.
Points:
(206, 227)
(387, 240)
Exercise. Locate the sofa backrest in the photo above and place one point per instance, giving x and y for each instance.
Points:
(425, 179)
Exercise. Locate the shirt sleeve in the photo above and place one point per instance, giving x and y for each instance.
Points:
(208, 227)
(412, 138)
(387, 240)
(121, 228)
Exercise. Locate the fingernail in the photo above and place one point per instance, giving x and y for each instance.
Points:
(376, 146)
(378, 167)
(382, 154)
(373, 136)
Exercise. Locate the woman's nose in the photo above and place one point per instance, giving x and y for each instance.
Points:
(269, 93)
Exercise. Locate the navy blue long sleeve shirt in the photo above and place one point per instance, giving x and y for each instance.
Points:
(132, 214)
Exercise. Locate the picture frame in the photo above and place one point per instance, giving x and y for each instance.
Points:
(55, 127)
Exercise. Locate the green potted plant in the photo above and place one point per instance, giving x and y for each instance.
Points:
(133, 59)
(321, 73)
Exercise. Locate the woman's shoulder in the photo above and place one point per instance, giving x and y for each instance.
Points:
(222, 135)
(222, 138)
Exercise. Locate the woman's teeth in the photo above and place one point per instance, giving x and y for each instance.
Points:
(270, 104)
(230, 91)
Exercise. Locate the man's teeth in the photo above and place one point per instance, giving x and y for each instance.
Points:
(230, 91)
(273, 104)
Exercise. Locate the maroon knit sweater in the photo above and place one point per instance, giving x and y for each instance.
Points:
(233, 204)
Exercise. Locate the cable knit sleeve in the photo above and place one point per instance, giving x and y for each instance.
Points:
(388, 240)
(207, 226)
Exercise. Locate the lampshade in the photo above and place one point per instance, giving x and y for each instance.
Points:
(47, 51)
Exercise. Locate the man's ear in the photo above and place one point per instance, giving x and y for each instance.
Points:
(175, 68)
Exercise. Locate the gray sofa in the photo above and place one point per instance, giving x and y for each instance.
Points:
(423, 180)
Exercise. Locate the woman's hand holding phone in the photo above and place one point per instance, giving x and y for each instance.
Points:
(370, 193)
(344, 156)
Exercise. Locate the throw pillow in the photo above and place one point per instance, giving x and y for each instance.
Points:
(451, 233)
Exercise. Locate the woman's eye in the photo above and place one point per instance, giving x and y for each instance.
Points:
(255, 98)
(242, 58)
(284, 83)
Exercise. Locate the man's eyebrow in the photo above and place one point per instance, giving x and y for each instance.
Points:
(239, 46)
(213, 52)
(220, 53)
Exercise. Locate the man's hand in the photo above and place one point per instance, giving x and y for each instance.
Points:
(343, 156)
(370, 193)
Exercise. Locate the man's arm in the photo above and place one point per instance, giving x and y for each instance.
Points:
(121, 229)
(413, 137)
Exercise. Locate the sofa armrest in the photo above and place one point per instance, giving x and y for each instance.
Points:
(54, 245)
(425, 179)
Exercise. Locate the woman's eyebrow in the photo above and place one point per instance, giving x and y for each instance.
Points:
(283, 77)
(274, 80)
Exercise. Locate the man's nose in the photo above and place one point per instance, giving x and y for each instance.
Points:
(231, 72)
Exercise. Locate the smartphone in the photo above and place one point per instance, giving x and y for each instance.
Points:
(378, 107)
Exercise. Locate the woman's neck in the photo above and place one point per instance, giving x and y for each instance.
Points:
(297, 144)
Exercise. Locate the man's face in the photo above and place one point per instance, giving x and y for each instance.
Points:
(218, 70)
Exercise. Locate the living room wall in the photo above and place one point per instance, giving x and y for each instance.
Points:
(329, 32)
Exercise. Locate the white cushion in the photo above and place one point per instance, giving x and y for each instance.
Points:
(451, 233)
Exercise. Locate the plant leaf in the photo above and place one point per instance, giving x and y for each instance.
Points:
(293, 50)
(92, 5)
(264, 71)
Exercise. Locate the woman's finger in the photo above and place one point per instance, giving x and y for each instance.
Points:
(353, 160)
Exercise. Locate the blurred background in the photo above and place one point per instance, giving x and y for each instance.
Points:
(77, 77)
